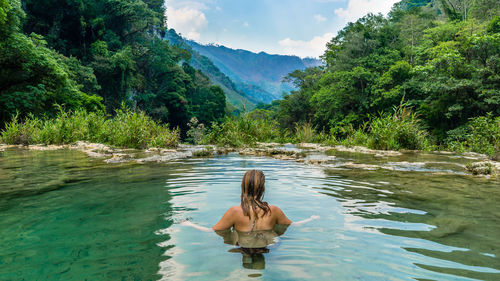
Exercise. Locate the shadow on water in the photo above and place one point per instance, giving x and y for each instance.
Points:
(462, 212)
(252, 245)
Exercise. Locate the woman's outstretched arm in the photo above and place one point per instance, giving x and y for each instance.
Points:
(299, 223)
(226, 222)
(202, 228)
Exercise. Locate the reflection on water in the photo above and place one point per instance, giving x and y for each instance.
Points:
(463, 213)
(252, 245)
(64, 216)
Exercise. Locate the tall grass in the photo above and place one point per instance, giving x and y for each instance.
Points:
(244, 131)
(126, 129)
(305, 132)
(17, 132)
(401, 130)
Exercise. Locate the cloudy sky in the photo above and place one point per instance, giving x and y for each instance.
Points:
(292, 27)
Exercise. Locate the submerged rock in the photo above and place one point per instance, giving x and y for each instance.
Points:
(474, 156)
(314, 146)
(166, 157)
(119, 158)
(448, 226)
(42, 147)
(317, 161)
(95, 147)
(95, 154)
(364, 150)
(277, 153)
(365, 166)
(203, 153)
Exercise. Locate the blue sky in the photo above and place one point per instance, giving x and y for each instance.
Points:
(292, 27)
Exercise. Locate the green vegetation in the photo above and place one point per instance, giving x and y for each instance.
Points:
(206, 152)
(244, 131)
(98, 54)
(441, 58)
(401, 130)
(427, 76)
(126, 129)
(480, 134)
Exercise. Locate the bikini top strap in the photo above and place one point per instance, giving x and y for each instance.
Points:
(253, 222)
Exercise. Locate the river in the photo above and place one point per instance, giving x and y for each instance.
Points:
(66, 216)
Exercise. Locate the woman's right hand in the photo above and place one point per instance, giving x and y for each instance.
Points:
(186, 222)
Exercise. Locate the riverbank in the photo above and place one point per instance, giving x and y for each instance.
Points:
(333, 157)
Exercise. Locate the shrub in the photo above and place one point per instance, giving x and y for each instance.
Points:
(401, 130)
(162, 136)
(243, 131)
(480, 134)
(356, 137)
(196, 131)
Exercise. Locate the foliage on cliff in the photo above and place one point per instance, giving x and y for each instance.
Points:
(446, 68)
(86, 54)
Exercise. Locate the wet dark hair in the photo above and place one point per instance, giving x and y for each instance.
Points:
(252, 192)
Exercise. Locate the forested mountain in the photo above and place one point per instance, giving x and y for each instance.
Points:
(98, 53)
(258, 75)
(236, 97)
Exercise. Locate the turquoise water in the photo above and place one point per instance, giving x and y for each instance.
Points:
(64, 216)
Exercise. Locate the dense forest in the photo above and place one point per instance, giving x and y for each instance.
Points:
(447, 70)
(426, 76)
(439, 59)
(95, 55)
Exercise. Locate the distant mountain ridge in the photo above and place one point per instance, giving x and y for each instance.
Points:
(205, 65)
(247, 78)
(261, 73)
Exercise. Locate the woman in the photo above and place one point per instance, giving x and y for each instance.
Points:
(253, 214)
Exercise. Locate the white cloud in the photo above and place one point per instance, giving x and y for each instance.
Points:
(312, 48)
(245, 24)
(187, 21)
(319, 18)
(194, 4)
(359, 8)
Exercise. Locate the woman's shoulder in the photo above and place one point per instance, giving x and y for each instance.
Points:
(235, 209)
(274, 208)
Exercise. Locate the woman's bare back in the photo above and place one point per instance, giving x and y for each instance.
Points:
(234, 217)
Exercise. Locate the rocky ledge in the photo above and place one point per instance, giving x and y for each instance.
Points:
(307, 153)
(484, 168)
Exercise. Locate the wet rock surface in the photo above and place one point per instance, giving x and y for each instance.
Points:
(333, 157)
